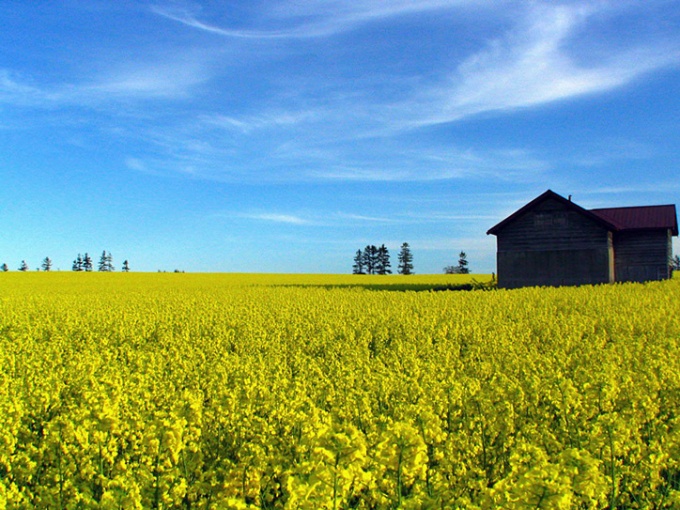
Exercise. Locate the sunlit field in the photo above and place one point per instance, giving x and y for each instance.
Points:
(336, 391)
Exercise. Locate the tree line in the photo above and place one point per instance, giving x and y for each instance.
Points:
(376, 260)
(80, 263)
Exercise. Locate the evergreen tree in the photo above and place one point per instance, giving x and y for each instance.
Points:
(77, 264)
(383, 261)
(126, 267)
(405, 260)
(47, 264)
(86, 263)
(462, 267)
(4, 268)
(102, 262)
(370, 257)
(675, 263)
(23, 266)
(358, 267)
(106, 262)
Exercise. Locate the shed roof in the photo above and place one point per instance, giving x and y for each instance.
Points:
(650, 217)
(549, 194)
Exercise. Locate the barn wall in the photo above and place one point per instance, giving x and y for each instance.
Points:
(642, 256)
(553, 245)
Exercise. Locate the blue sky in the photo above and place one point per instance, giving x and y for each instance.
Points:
(282, 136)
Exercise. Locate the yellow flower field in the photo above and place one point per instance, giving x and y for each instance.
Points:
(317, 391)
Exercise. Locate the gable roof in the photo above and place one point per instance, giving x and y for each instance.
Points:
(651, 217)
(549, 194)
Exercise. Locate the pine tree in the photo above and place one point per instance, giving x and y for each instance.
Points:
(405, 260)
(23, 266)
(370, 258)
(383, 261)
(47, 264)
(4, 267)
(358, 267)
(77, 264)
(675, 263)
(462, 263)
(126, 267)
(87, 264)
(106, 262)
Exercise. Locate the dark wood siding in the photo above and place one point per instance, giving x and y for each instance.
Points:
(642, 255)
(552, 244)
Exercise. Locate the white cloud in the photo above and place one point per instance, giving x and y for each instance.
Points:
(305, 19)
(362, 218)
(532, 65)
(277, 218)
(169, 78)
(135, 164)
(274, 118)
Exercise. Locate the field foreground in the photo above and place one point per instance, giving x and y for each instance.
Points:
(272, 391)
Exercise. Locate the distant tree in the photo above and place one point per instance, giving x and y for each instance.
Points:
(23, 266)
(463, 263)
(358, 267)
(87, 263)
(370, 258)
(383, 265)
(106, 262)
(4, 267)
(102, 262)
(405, 260)
(47, 264)
(77, 264)
(461, 268)
(126, 267)
(675, 263)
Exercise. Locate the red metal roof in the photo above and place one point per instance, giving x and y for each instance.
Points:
(643, 217)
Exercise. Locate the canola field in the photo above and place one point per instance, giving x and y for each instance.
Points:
(130, 391)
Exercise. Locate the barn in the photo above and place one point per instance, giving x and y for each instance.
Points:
(553, 241)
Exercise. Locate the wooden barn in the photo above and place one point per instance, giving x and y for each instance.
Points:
(553, 241)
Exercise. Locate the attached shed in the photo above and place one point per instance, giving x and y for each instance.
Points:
(553, 241)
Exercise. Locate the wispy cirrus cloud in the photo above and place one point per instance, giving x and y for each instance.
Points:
(534, 64)
(277, 218)
(302, 20)
(171, 78)
(303, 125)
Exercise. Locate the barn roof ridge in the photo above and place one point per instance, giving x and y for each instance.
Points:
(641, 217)
(544, 196)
